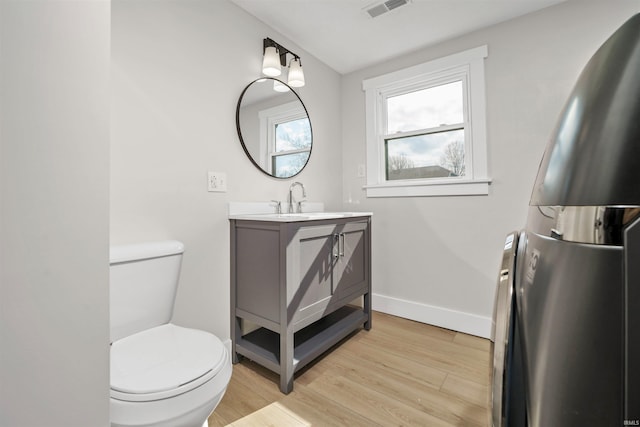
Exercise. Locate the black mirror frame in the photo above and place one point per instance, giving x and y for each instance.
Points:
(244, 147)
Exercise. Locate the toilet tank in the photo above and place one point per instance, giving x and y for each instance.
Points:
(143, 283)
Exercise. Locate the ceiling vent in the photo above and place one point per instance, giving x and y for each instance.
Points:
(377, 9)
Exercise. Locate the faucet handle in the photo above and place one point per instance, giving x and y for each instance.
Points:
(278, 205)
(300, 205)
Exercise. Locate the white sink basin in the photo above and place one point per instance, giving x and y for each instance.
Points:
(315, 215)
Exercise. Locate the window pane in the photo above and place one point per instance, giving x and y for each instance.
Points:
(287, 165)
(434, 155)
(426, 108)
(293, 135)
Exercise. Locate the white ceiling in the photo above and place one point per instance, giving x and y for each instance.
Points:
(342, 35)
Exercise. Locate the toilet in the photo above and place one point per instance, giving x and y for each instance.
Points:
(162, 375)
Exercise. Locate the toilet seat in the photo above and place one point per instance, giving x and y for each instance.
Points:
(163, 362)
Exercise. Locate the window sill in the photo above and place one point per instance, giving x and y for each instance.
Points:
(475, 187)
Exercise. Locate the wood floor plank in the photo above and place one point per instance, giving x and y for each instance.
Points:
(382, 358)
(394, 323)
(255, 375)
(400, 373)
(382, 408)
(472, 341)
(455, 359)
(467, 390)
(325, 366)
(450, 343)
(322, 411)
(451, 348)
(448, 407)
(273, 415)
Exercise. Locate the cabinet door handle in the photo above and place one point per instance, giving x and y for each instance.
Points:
(341, 246)
(336, 248)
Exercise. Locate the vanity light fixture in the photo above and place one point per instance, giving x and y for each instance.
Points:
(275, 57)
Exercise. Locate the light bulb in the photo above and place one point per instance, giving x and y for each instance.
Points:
(271, 62)
(296, 76)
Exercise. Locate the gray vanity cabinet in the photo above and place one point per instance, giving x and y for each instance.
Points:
(296, 281)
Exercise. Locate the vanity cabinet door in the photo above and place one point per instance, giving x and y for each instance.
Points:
(329, 266)
(311, 265)
(351, 269)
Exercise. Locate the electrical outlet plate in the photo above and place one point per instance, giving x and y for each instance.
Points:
(217, 182)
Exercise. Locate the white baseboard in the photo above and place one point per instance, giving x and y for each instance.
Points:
(437, 316)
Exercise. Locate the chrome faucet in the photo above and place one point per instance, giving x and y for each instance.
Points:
(304, 194)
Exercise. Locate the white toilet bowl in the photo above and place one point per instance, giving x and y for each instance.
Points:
(162, 375)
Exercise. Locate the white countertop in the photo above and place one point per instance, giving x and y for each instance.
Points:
(296, 217)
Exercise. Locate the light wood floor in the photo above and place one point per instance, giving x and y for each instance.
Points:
(399, 373)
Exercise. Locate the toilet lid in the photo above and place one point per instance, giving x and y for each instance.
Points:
(164, 358)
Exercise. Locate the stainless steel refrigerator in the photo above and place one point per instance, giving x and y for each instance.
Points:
(566, 345)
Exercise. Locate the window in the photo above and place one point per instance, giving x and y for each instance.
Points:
(287, 133)
(421, 139)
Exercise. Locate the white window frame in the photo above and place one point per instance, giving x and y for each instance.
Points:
(269, 119)
(468, 66)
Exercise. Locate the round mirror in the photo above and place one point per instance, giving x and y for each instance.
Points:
(274, 127)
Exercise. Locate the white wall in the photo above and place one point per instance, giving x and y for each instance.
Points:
(54, 225)
(436, 258)
(178, 68)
